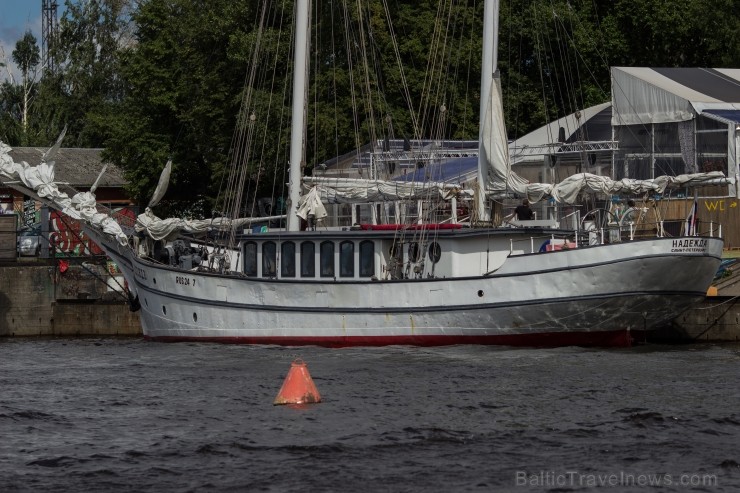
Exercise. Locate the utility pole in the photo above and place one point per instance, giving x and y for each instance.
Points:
(49, 31)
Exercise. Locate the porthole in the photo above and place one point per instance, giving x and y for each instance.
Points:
(435, 252)
(195, 317)
(480, 293)
(164, 309)
(154, 280)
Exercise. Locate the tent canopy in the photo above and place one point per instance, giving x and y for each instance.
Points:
(643, 95)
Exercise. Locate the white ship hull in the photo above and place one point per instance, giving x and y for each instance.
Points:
(596, 295)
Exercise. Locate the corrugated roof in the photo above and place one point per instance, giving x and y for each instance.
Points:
(77, 167)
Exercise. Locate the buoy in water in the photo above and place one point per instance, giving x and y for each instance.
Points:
(298, 387)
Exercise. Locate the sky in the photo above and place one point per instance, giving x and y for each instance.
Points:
(16, 17)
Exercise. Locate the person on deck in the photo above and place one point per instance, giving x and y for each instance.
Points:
(629, 215)
(523, 212)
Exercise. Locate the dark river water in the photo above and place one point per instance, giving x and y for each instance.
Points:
(128, 415)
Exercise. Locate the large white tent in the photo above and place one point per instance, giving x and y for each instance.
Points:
(643, 95)
(676, 120)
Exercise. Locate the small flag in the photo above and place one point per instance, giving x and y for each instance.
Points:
(691, 220)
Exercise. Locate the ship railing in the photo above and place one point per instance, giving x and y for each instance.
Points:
(612, 233)
(544, 243)
(631, 231)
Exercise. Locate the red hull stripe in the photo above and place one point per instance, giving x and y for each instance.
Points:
(617, 338)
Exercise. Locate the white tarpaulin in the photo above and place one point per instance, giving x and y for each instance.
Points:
(310, 204)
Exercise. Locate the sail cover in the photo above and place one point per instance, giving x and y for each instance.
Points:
(348, 190)
(501, 180)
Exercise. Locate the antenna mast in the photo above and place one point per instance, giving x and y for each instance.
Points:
(49, 30)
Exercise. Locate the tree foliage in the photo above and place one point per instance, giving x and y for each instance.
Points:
(183, 80)
(85, 89)
(26, 56)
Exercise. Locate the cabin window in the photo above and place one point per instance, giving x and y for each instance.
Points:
(327, 259)
(347, 259)
(269, 259)
(287, 259)
(367, 258)
(413, 252)
(308, 259)
(250, 258)
(435, 252)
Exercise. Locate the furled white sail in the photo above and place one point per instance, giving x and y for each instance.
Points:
(40, 179)
(162, 184)
(567, 190)
(172, 227)
(495, 148)
(348, 190)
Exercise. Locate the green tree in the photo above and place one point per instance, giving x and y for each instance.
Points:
(11, 99)
(183, 82)
(26, 56)
(677, 33)
(86, 89)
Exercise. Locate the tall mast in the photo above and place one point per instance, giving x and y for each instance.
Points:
(298, 123)
(488, 68)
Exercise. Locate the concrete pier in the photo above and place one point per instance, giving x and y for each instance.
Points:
(717, 319)
(38, 299)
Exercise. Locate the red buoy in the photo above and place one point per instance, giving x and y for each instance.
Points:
(298, 387)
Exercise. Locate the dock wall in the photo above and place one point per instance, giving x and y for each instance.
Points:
(40, 300)
(716, 319)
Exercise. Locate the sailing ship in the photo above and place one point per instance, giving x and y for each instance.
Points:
(419, 283)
